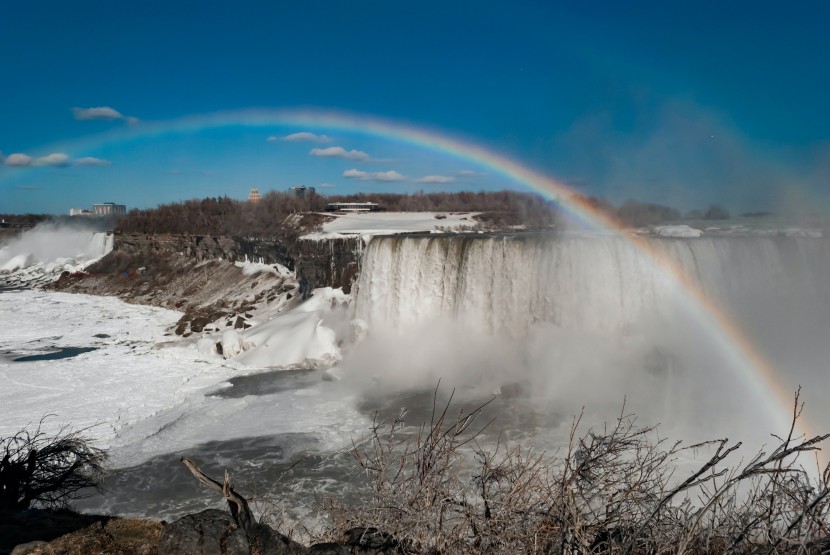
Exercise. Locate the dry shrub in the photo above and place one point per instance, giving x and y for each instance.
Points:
(612, 491)
(47, 470)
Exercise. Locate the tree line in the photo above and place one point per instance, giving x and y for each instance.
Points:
(227, 216)
(499, 210)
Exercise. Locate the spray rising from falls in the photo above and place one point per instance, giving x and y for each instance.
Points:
(39, 255)
(586, 320)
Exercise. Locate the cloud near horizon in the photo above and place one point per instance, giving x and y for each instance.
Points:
(92, 161)
(105, 113)
(435, 179)
(383, 177)
(302, 136)
(18, 160)
(340, 152)
(55, 160)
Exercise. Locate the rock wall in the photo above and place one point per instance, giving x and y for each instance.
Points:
(327, 262)
(318, 263)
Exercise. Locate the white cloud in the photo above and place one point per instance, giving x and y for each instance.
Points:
(471, 173)
(340, 152)
(272, 139)
(326, 186)
(387, 176)
(57, 159)
(19, 160)
(306, 136)
(102, 113)
(92, 161)
(436, 179)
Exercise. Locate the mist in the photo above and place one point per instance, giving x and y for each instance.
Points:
(52, 242)
(557, 326)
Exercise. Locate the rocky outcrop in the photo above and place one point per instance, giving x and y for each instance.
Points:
(329, 262)
(211, 532)
(205, 247)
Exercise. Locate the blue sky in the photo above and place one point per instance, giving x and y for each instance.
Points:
(680, 103)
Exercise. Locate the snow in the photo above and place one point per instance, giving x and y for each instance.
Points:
(295, 338)
(250, 268)
(387, 223)
(231, 344)
(681, 230)
(125, 380)
(144, 392)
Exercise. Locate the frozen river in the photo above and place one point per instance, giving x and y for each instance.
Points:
(150, 397)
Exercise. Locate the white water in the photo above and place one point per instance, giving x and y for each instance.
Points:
(588, 320)
(39, 255)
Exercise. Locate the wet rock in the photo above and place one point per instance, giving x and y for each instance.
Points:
(210, 532)
(263, 539)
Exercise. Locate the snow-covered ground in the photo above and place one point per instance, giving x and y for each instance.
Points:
(387, 223)
(145, 392)
(676, 231)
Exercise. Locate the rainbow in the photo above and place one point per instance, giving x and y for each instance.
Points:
(757, 373)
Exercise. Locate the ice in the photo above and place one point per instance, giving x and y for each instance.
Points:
(18, 262)
(676, 231)
(387, 223)
(250, 268)
(145, 392)
(296, 338)
(39, 255)
(231, 344)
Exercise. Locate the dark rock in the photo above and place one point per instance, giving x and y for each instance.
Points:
(329, 548)
(240, 323)
(369, 541)
(263, 539)
(27, 548)
(331, 262)
(210, 532)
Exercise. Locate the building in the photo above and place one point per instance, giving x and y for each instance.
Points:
(80, 212)
(301, 190)
(108, 209)
(253, 196)
(353, 207)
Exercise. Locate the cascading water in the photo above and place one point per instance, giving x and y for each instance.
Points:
(504, 284)
(588, 320)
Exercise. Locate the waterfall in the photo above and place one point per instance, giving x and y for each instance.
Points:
(505, 284)
(590, 320)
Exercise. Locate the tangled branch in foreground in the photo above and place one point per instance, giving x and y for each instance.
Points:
(611, 492)
(47, 470)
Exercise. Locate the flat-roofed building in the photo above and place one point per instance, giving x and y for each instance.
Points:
(353, 207)
(108, 209)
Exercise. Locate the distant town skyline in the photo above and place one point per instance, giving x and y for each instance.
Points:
(679, 104)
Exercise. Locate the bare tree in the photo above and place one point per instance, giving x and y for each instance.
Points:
(47, 470)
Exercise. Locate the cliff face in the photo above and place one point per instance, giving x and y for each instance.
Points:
(196, 274)
(318, 263)
(328, 262)
(202, 247)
